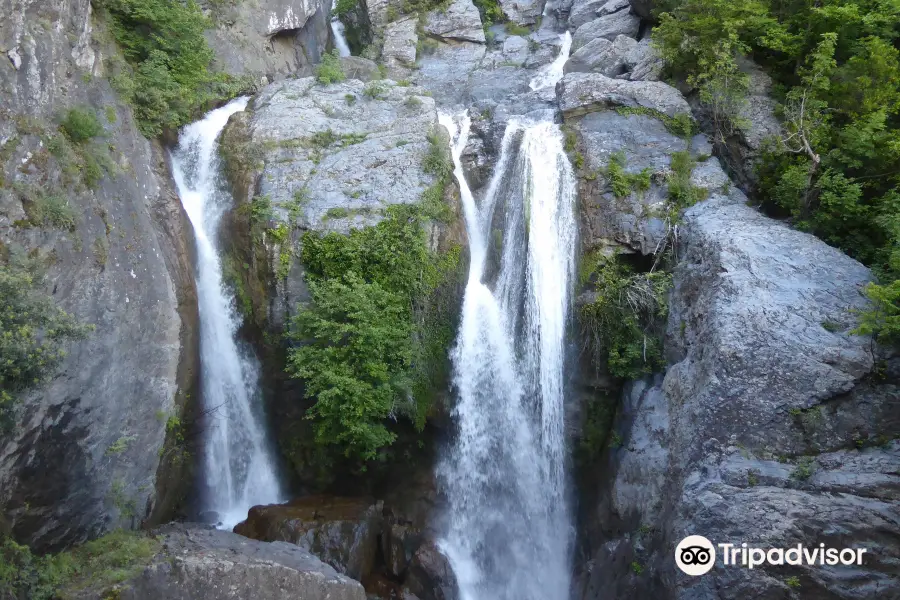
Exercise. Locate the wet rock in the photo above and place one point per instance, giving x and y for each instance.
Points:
(579, 93)
(430, 575)
(343, 532)
(460, 21)
(447, 70)
(207, 564)
(608, 26)
(585, 11)
(602, 56)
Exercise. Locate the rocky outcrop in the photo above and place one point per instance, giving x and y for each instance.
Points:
(343, 532)
(643, 8)
(399, 50)
(460, 21)
(84, 454)
(580, 93)
(206, 564)
(602, 56)
(522, 12)
(270, 39)
(608, 26)
(643, 62)
(585, 11)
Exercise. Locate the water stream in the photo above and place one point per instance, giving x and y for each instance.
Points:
(337, 29)
(238, 470)
(509, 533)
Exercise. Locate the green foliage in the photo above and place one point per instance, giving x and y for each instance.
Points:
(80, 125)
(99, 565)
(515, 29)
(329, 70)
(168, 79)
(622, 323)
(50, 211)
(621, 182)
(375, 90)
(491, 12)
(682, 124)
(342, 7)
(595, 429)
(358, 348)
(792, 582)
(33, 332)
(636, 567)
(803, 469)
(883, 320)
(682, 193)
(437, 161)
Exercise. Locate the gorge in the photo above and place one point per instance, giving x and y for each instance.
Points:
(445, 301)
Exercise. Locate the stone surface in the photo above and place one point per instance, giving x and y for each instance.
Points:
(271, 38)
(430, 575)
(206, 564)
(585, 11)
(608, 26)
(459, 21)
(342, 532)
(522, 12)
(399, 51)
(602, 56)
(579, 93)
(124, 267)
(764, 373)
(643, 8)
(643, 62)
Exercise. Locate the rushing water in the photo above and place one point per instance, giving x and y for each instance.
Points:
(509, 534)
(553, 72)
(337, 29)
(238, 468)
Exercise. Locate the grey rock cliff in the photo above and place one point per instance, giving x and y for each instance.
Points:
(206, 564)
(84, 455)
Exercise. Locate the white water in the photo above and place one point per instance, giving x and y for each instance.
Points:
(509, 534)
(337, 28)
(238, 468)
(552, 73)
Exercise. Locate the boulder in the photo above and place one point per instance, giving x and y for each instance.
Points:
(602, 56)
(357, 67)
(643, 62)
(430, 575)
(522, 12)
(343, 532)
(579, 93)
(584, 11)
(608, 26)
(460, 21)
(643, 8)
(207, 564)
(399, 50)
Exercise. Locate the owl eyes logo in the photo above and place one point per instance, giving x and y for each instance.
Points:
(695, 555)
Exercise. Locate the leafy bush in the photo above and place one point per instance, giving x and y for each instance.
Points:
(329, 70)
(375, 90)
(169, 78)
(622, 323)
(33, 332)
(80, 125)
(100, 564)
(362, 357)
(50, 211)
(342, 7)
(621, 182)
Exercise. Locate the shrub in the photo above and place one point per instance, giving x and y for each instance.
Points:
(168, 80)
(33, 332)
(80, 125)
(623, 321)
(342, 7)
(437, 161)
(682, 193)
(50, 211)
(375, 90)
(329, 70)
(621, 182)
(516, 29)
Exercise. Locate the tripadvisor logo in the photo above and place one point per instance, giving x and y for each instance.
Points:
(696, 555)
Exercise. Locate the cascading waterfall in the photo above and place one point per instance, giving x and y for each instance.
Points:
(509, 533)
(550, 74)
(337, 29)
(238, 468)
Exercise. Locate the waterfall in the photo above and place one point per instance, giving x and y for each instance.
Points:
(337, 29)
(238, 468)
(509, 533)
(553, 72)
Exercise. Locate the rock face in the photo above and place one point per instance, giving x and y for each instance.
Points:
(522, 12)
(460, 21)
(343, 532)
(84, 454)
(584, 11)
(206, 564)
(602, 56)
(269, 39)
(608, 26)
(399, 50)
(580, 93)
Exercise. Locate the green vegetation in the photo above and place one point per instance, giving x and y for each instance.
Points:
(98, 565)
(49, 211)
(623, 321)
(682, 193)
(33, 332)
(636, 567)
(792, 582)
(491, 13)
(342, 7)
(167, 78)
(835, 170)
(623, 183)
(375, 90)
(515, 29)
(804, 469)
(372, 342)
(80, 125)
(682, 124)
(329, 70)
